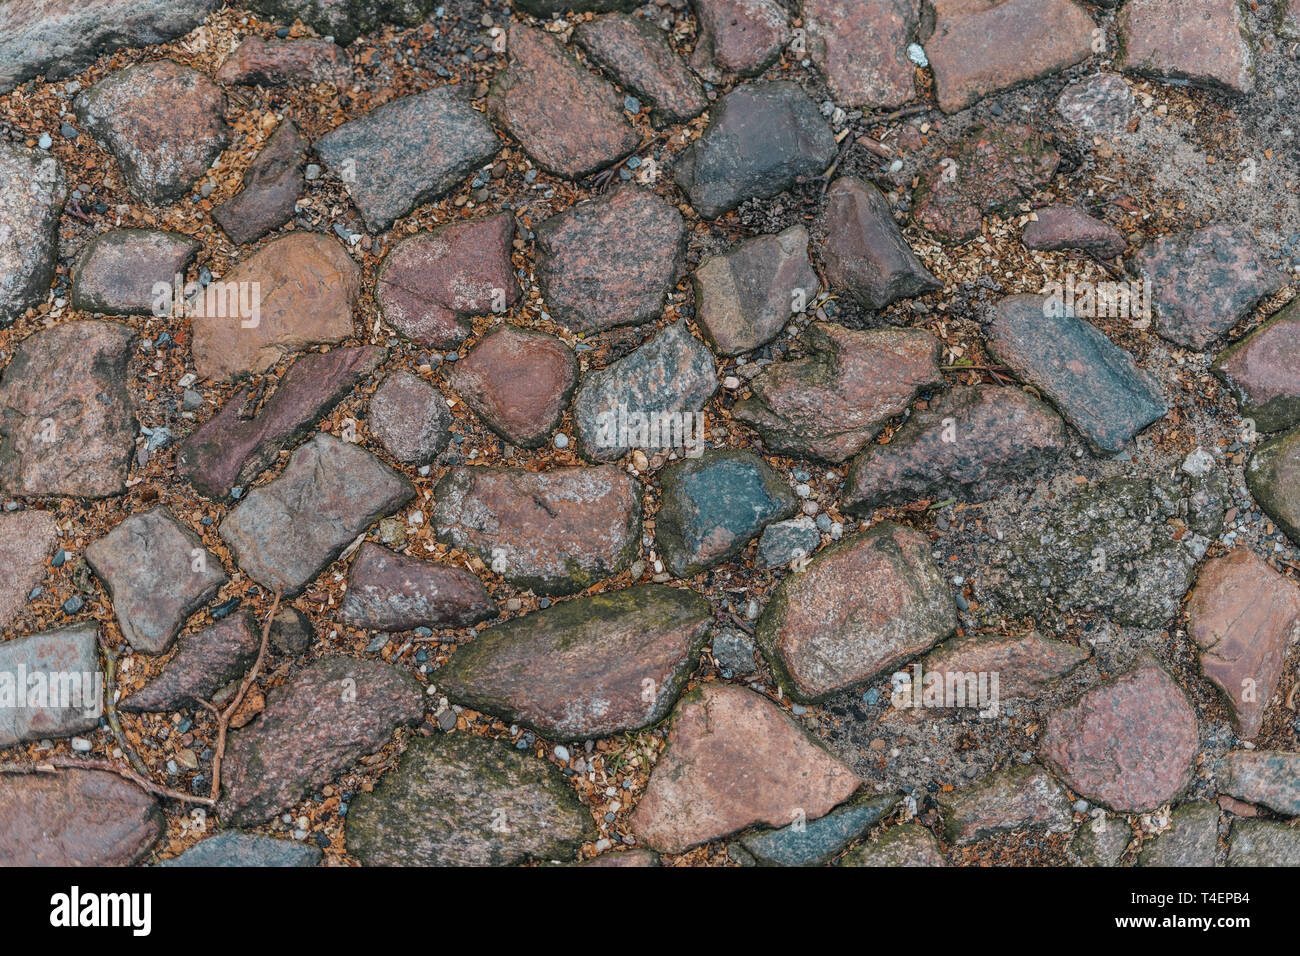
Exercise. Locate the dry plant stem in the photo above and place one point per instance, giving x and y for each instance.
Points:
(89, 763)
(110, 708)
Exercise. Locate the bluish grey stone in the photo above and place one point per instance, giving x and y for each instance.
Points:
(785, 541)
(816, 842)
(236, 848)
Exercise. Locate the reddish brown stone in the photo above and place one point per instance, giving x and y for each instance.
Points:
(518, 381)
(116, 272)
(831, 403)
(26, 540)
(980, 47)
(861, 48)
(1244, 616)
(988, 170)
(1261, 371)
(591, 667)
(735, 759)
(1067, 227)
(556, 531)
(395, 592)
(410, 418)
(1026, 666)
(1129, 743)
(260, 62)
(637, 54)
(205, 661)
(1203, 42)
(230, 450)
(272, 186)
(627, 858)
(862, 607)
(75, 818)
(1022, 798)
(433, 281)
(305, 287)
(1270, 778)
(566, 118)
(610, 260)
(739, 36)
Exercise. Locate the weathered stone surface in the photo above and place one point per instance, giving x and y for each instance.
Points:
(628, 858)
(556, 532)
(26, 540)
(116, 272)
(739, 36)
(744, 297)
(786, 541)
(641, 400)
(284, 533)
(32, 193)
(1205, 282)
(829, 404)
(519, 381)
(291, 632)
(905, 845)
(1123, 547)
(1098, 104)
(1026, 666)
(979, 48)
(864, 605)
(304, 287)
(733, 650)
(1263, 843)
(1273, 476)
(1244, 616)
(638, 55)
(1191, 840)
(762, 138)
(1202, 42)
(230, 450)
(61, 37)
(395, 592)
(205, 661)
(817, 842)
(1068, 227)
(710, 507)
(164, 124)
(314, 727)
(236, 848)
(407, 152)
(68, 696)
(1260, 371)
(1267, 777)
(611, 260)
(457, 800)
(734, 759)
(75, 818)
(410, 418)
(1101, 841)
(345, 20)
(261, 62)
(860, 47)
(996, 168)
(1021, 798)
(272, 186)
(158, 573)
(1093, 382)
(579, 669)
(565, 117)
(1129, 743)
(865, 253)
(67, 422)
(544, 8)
(432, 282)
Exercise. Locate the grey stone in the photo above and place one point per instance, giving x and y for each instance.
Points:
(46, 671)
(32, 193)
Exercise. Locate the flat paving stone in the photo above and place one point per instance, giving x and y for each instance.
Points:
(637, 54)
(611, 260)
(1273, 477)
(117, 271)
(32, 194)
(287, 531)
(272, 187)
(591, 667)
(410, 418)
(67, 419)
(1017, 799)
(908, 844)
(408, 152)
(314, 727)
(1101, 841)
(157, 573)
(205, 661)
(1263, 843)
(258, 61)
(1260, 372)
(1026, 666)
(739, 36)
(50, 684)
(164, 123)
(1068, 227)
(830, 403)
(1201, 42)
(860, 46)
(734, 759)
(1270, 778)
(762, 138)
(27, 539)
(388, 591)
(1093, 382)
(863, 606)
(458, 800)
(556, 532)
(1191, 840)
(236, 848)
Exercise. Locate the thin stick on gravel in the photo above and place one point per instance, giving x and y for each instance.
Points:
(90, 763)
(110, 708)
